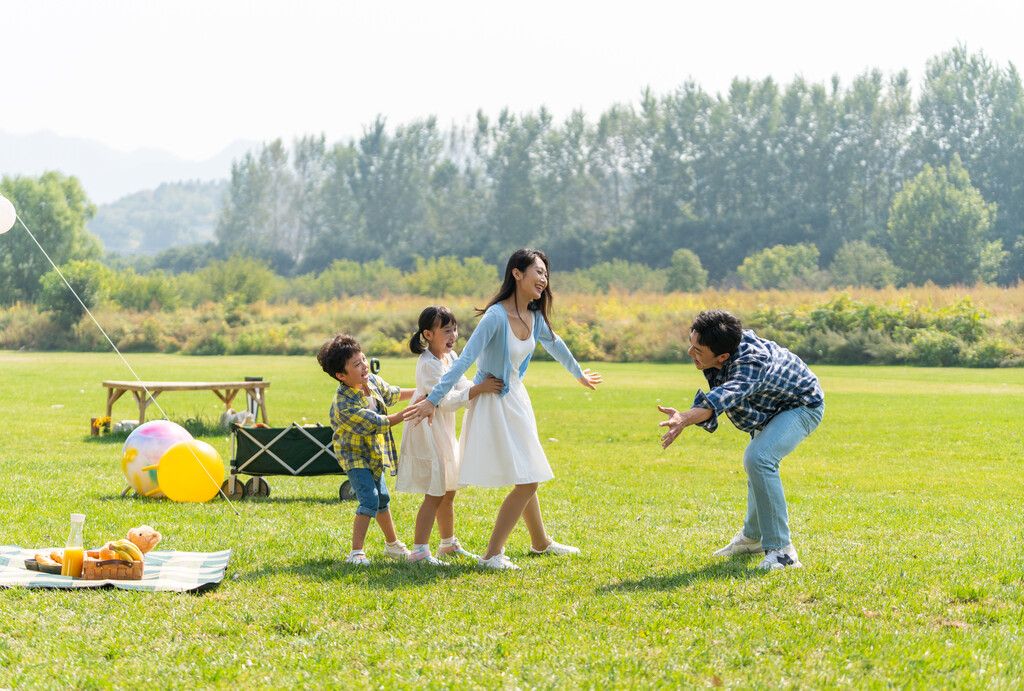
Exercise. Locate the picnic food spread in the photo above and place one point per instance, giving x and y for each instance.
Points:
(119, 559)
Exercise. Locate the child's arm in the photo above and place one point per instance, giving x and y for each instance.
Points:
(406, 394)
(361, 422)
(398, 418)
(491, 384)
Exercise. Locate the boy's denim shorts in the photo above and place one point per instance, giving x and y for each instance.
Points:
(371, 492)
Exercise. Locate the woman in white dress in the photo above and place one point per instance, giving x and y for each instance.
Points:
(499, 444)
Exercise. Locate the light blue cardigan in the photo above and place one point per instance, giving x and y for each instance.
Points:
(488, 346)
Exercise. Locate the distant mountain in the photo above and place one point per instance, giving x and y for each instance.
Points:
(107, 174)
(175, 214)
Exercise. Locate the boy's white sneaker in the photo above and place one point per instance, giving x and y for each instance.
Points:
(498, 561)
(396, 551)
(785, 558)
(740, 544)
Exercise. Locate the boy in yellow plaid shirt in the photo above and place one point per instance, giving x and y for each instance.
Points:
(362, 439)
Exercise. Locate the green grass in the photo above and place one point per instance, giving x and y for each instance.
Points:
(905, 506)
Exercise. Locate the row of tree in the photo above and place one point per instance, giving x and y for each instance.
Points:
(760, 183)
(725, 176)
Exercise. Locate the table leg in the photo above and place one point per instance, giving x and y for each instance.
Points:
(144, 402)
(112, 395)
(259, 397)
(228, 396)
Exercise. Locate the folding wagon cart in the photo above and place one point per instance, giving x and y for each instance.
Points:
(292, 450)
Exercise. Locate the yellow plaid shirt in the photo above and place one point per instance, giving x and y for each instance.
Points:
(362, 437)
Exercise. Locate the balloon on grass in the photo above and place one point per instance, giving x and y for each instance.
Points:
(190, 471)
(7, 215)
(142, 451)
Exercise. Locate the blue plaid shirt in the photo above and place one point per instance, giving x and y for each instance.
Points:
(757, 383)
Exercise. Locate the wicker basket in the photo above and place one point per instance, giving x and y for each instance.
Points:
(116, 569)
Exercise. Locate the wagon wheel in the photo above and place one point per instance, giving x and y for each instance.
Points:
(257, 487)
(345, 492)
(239, 489)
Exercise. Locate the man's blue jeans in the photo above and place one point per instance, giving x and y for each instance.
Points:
(767, 515)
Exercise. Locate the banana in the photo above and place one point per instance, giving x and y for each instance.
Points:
(129, 547)
(122, 554)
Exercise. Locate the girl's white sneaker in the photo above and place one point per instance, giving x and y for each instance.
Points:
(357, 557)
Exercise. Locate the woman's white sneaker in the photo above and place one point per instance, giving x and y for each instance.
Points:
(556, 548)
(740, 544)
(498, 561)
(784, 558)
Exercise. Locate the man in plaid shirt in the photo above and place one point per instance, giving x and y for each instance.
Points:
(768, 392)
(363, 441)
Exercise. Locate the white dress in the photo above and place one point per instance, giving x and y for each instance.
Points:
(499, 444)
(428, 461)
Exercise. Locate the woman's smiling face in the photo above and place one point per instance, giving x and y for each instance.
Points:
(534, 280)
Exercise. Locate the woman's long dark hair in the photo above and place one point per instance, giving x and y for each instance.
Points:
(433, 317)
(522, 260)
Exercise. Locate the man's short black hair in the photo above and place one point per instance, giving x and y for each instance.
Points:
(335, 354)
(718, 330)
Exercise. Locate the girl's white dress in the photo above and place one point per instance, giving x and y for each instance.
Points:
(499, 444)
(428, 461)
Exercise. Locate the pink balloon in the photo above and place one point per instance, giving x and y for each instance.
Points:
(7, 215)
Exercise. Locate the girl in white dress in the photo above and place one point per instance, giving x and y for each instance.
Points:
(428, 460)
(500, 444)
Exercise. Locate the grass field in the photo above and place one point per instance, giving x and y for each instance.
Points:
(905, 506)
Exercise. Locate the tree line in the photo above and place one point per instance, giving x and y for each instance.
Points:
(813, 165)
(764, 186)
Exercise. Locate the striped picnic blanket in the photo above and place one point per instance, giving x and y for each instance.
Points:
(175, 571)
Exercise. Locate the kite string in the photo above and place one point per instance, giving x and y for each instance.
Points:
(150, 396)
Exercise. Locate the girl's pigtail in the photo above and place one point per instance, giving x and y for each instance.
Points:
(416, 344)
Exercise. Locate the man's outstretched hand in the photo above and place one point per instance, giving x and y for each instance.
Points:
(674, 423)
(678, 421)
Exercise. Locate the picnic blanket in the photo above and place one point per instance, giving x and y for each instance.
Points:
(172, 570)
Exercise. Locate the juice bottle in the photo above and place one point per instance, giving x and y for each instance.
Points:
(74, 551)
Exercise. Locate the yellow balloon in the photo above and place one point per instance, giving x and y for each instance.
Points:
(190, 471)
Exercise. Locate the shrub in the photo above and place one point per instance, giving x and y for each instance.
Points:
(859, 264)
(988, 354)
(933, 348)
(152, 291)
(782, 266)
(685, 274)
(240, 278)
(619, 274)
(446, 276)
(87, 280)
(206, 344)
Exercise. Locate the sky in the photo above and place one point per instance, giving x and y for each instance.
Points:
(190, 77)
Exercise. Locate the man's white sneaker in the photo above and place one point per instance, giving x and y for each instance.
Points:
(784, 558)
(556, 548)
(396, 551)
(740, 544)
(498, 561)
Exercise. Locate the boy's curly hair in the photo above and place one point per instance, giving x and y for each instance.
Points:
(335, 354)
